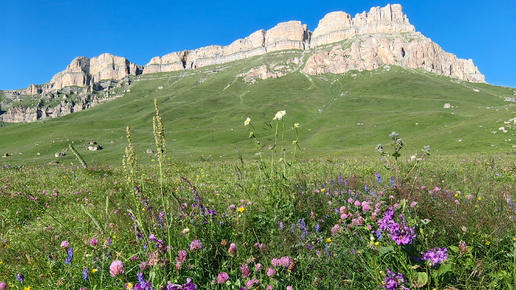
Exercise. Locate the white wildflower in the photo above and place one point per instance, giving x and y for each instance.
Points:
(247, 121)
(279, 115)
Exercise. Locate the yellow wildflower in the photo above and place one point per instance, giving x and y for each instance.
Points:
(94, 271)
(241, 209)
(488, 243)
(328, 240)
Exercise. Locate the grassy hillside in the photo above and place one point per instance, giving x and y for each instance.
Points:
(204, 110)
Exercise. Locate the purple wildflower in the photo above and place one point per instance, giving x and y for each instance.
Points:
(271, 272)
(187, 286)
(435, 255)
(285, 262)
(394, 281)
(222, 278)
(116, 268)
(85, 274)
(463, 247)
(275, 262)
(252, 282)
(232, 249)
(94, 242)
(142, 283)
(181, 256)
(302, 225)
(335, 230)
(195, 245)
(398, 232)
(68, 260)
(20, 277)
(245, 271)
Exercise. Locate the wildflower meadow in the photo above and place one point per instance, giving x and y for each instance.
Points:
(403, 220)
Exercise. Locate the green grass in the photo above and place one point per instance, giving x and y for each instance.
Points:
(337, 114)
(464, 198)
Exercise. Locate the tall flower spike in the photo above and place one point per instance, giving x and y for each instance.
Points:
(159, 133)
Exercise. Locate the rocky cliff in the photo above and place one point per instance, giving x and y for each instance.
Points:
(383, 27)
(382, 36)
(369, 52)
(86, 72)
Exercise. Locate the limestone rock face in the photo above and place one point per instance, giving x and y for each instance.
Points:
(32, 90)
(382, 36)
(83, 71)
(287, 35)
(110, 67)
(20, 115)
(338, 26)
(370, 52)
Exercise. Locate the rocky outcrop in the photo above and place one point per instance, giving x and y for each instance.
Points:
(338, 26)
(372, 51)
(287, 35)
(20, 115)
(412, 51)
(32, 90)
(382, 36)
(83, 72)
(334, 27)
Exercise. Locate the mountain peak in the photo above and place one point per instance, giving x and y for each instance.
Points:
(340, 43)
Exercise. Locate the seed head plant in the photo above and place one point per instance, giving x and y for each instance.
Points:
(397, 145)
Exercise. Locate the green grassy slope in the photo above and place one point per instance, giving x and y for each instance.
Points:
(204, 110)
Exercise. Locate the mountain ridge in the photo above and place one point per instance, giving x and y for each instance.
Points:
(382, 36)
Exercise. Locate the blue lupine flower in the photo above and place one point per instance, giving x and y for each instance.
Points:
(85, 274)
(68, 260)
(302, 225)
(20, 277)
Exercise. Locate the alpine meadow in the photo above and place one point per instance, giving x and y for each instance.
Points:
(357, 156)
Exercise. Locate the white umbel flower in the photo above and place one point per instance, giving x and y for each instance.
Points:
(279, 115)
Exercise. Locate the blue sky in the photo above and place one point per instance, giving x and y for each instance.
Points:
(40, 38)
